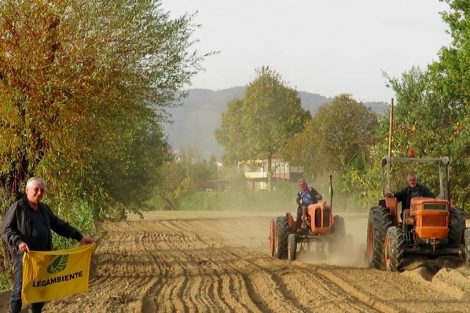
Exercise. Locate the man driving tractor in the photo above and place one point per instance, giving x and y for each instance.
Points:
(414, 189)
(306, 196)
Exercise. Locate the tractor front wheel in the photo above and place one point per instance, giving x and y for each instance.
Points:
(291, 247)
(394, 249)
(378, 222)
(280, 238)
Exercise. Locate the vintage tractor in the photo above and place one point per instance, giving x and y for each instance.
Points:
(323, 230)
(431, 227)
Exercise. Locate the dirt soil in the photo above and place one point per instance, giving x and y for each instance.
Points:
(219, 262)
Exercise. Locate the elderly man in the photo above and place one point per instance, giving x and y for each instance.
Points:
(414, 189)
(27, 226)
(306, 196)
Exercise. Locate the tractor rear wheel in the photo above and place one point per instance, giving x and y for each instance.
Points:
(272, 230)
(456, 226)
(466, 238)
(379, 220)
(394, 249)
(280, 238)
(291, 247)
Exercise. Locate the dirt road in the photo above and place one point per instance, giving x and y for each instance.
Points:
(195, 262)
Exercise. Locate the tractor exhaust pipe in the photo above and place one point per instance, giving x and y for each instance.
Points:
(330, 189)
(389, 152)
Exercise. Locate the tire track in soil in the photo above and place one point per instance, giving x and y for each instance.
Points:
(369, 300)
(312, 291)
(367, 304)
(210, 278)
(406, 294)
(133, 268)
(344, 299)
(172, 290)
(265, 294)
(148, 305)
(197, 282)
(255, 282)
(264, 281)
(223, 298)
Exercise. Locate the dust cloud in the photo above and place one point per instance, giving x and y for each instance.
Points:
(250, 229)
(344, 253)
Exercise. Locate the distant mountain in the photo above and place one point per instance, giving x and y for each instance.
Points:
(199, 116)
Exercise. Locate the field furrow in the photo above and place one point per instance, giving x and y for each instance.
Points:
(221, 265)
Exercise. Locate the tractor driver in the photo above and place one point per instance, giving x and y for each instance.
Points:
(414, 189)
(306, 196)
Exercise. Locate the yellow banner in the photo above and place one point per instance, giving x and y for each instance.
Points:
(49, 275)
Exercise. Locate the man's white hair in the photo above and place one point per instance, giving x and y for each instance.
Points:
(34, 180)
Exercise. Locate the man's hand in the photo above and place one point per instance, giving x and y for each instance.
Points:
(85, 240)
(23, 247)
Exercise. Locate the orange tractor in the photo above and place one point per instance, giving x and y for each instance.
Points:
(431, 227)
(323, 229)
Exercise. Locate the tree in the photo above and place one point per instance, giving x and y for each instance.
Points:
(262, 122)
(231, 133)
(183, 174)
(84, 87)
(415, 113)
(433, 104)
(304, 149)
(338, 138)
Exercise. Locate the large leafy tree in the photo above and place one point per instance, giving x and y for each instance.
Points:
(338, 138)
(262, 122)
(83, 91)
(433, 104)
(231, 133)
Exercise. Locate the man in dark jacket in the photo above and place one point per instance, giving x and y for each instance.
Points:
(414, 189)
(306, 196)
(27, 226)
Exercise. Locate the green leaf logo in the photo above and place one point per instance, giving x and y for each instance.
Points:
(58, 264)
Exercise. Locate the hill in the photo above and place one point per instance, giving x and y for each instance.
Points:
(199, 116)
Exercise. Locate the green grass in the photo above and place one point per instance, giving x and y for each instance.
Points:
(239, 201)
(233, 201)
(5, 280)
(276, 200)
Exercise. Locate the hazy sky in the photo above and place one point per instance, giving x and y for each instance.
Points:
(320, 46)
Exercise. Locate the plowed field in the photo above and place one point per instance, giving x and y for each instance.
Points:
(218, 262)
